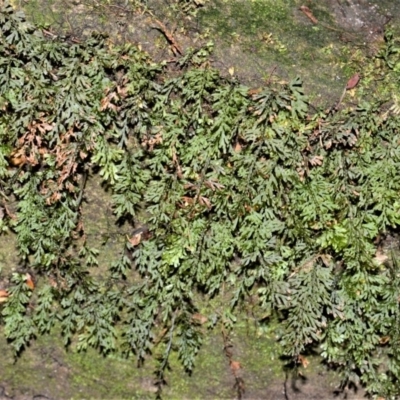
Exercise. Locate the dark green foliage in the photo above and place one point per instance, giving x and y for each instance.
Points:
(242, 194)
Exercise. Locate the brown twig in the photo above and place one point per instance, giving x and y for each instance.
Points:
(308, 13)
(176, 49)
(48, 33)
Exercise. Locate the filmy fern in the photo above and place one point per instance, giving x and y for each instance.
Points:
(229, 193)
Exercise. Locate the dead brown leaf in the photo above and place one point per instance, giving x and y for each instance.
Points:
(17, 157)
(199, 318)
(204, 201)
(213, 185)
(29, 281)
(384, 339)
(135, 239)
(187, 200)
(105, 102)
(235, 366)
(237, 147)
(303, 361)
(316, 160)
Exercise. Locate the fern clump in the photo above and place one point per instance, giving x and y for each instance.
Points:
(230, 193)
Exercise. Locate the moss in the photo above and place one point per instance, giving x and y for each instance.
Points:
(40, 12)
(277, 33)
(49, 369)
(278, 39)
(274, 32)
(261, 39)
